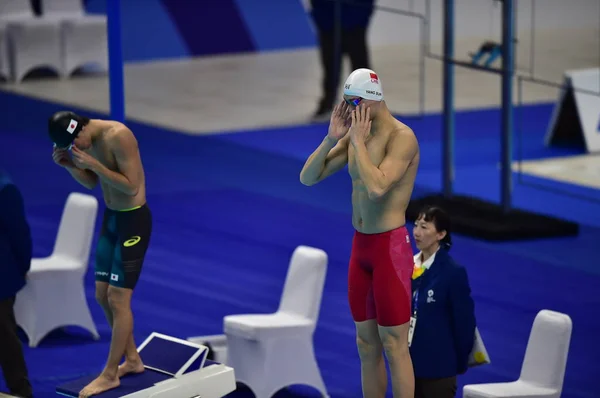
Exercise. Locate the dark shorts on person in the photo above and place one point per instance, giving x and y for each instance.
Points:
(122, 246)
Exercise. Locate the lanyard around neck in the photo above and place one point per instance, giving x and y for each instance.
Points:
(415, 301)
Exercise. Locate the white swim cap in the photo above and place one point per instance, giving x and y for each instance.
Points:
(364, 83)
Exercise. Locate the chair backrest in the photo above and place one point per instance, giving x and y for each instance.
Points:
(76, 229)
(63, 7)
(16, 8)
(304, 283)
(547, 350)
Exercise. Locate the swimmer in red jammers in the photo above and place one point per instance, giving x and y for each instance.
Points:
(382, 155)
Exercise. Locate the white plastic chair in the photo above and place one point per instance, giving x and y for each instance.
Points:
(33, 42)
(273, 351)
(544, 365)
(54, 295)
(84, 36)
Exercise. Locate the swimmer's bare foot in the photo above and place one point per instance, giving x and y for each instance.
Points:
(99, 385)
(130, 366)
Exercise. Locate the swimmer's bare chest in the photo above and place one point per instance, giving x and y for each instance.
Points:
(385, 213)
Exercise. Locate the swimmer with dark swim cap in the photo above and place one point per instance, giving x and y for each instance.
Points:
(382, 155)
(104, 151)
(64, 128)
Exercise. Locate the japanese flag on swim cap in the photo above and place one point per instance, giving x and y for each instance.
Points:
(63, 128)
(364, 83)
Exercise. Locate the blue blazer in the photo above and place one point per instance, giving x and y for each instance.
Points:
(445, 328)
(15, 239)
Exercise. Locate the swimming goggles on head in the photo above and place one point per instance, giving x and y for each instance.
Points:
(66, 148)
(353, 101)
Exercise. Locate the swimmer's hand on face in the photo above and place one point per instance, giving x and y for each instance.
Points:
(332, 154)
(361, 124)
(340, 121)
(83, 160)
(62, 158)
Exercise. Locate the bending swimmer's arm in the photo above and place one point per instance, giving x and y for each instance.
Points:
(85, 177)
(378, 181)
(329, 158)
(126, 154)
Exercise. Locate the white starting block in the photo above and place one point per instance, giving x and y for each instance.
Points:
(174, 369)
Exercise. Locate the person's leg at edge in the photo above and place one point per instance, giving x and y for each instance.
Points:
(12, 361)
(105, 254)
(372, 364)
(135, 230)
(119, 300)
(133, 362)
(438, 388)
(114, 289)
(362, 306)
(329, 59)
(395, 345)
(120, 304)
(392, 293)
(357, 50)
(418, 388)
(106, 251)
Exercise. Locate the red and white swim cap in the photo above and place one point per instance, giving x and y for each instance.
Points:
(364, 83)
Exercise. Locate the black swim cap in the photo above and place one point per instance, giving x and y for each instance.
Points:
(63, 128)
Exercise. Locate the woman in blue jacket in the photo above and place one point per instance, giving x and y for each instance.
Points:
(443, 320)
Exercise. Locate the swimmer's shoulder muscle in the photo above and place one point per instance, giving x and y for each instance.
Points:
(121, 140)
(124, 146)
(403, 142)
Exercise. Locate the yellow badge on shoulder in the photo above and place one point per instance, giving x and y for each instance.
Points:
(417, 272)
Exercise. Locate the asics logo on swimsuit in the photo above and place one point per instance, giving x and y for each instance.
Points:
(132, 241)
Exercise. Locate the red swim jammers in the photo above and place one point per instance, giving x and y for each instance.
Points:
(379, 277)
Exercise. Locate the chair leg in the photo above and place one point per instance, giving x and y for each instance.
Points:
(312, 373)
(259, 374)
(35, 340)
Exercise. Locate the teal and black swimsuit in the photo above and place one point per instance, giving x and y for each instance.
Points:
(122, 246)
